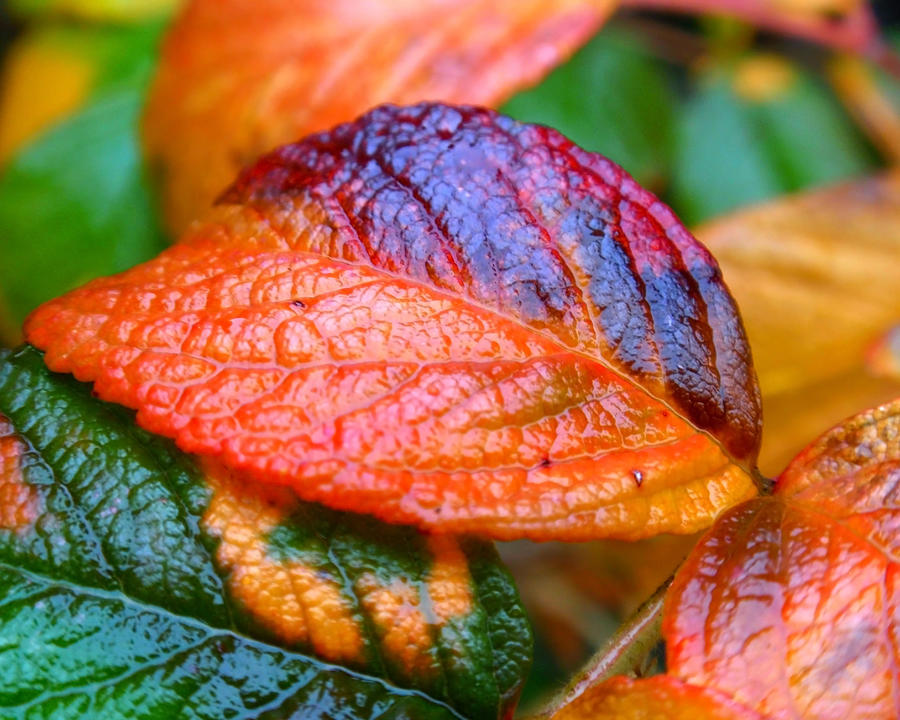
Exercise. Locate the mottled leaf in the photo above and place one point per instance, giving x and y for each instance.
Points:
(238, 79)
(134, 584)
(816, 278)
(790, 603)
(656, 698)
(438, 316)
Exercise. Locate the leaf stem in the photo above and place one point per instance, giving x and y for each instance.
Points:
(622, 654)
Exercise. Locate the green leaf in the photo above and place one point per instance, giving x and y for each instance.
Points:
(732, 151)
(74, 203)
(611, 97)
(134, 584)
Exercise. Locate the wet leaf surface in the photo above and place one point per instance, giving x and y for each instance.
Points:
(136, 584)
(438, 316)
(788, 604)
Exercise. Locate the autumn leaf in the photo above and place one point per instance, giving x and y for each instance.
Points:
(438, 316)
(659, 697)
(787, 604)
(237, 79)
(815, 277)
(137, 584)
(785, 609)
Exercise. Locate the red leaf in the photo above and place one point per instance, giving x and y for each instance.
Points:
(438, 316)
(790, 603)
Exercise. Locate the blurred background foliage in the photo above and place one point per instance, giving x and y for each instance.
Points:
(711, 113)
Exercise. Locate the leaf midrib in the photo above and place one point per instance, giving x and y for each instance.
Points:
(210, 632)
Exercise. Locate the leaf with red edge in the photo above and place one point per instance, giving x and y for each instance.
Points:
(438, 316)
(238, 78)
(790, 604)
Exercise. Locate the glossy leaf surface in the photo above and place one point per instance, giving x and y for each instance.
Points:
(438, 316)
(136, 586)
(815, 277)
(238, 79)
(655, 698)
(790, 603)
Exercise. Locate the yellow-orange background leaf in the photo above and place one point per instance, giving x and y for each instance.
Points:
(816, 278)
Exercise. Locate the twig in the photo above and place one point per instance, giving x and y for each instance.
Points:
(622, 654)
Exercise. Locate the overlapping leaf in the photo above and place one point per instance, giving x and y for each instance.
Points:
(239, 78)
(790, 603)
(788, 606)
(815, 276)
(438, 316)
(134, 586)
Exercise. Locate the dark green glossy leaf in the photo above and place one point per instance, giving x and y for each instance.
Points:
(132, 585)
(73, 203)
(612, 98)
(732, 151)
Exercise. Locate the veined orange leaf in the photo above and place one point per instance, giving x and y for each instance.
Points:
(620, 698)
(239, 77)
(789, 604)
(438, 316)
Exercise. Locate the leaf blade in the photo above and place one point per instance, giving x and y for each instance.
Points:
(787, 604)
(429, 604)
(386, 343)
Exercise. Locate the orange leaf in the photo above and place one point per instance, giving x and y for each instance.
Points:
(655, 698)
(815, 277)
(239, 78)
(789, 604)
(438, 316)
